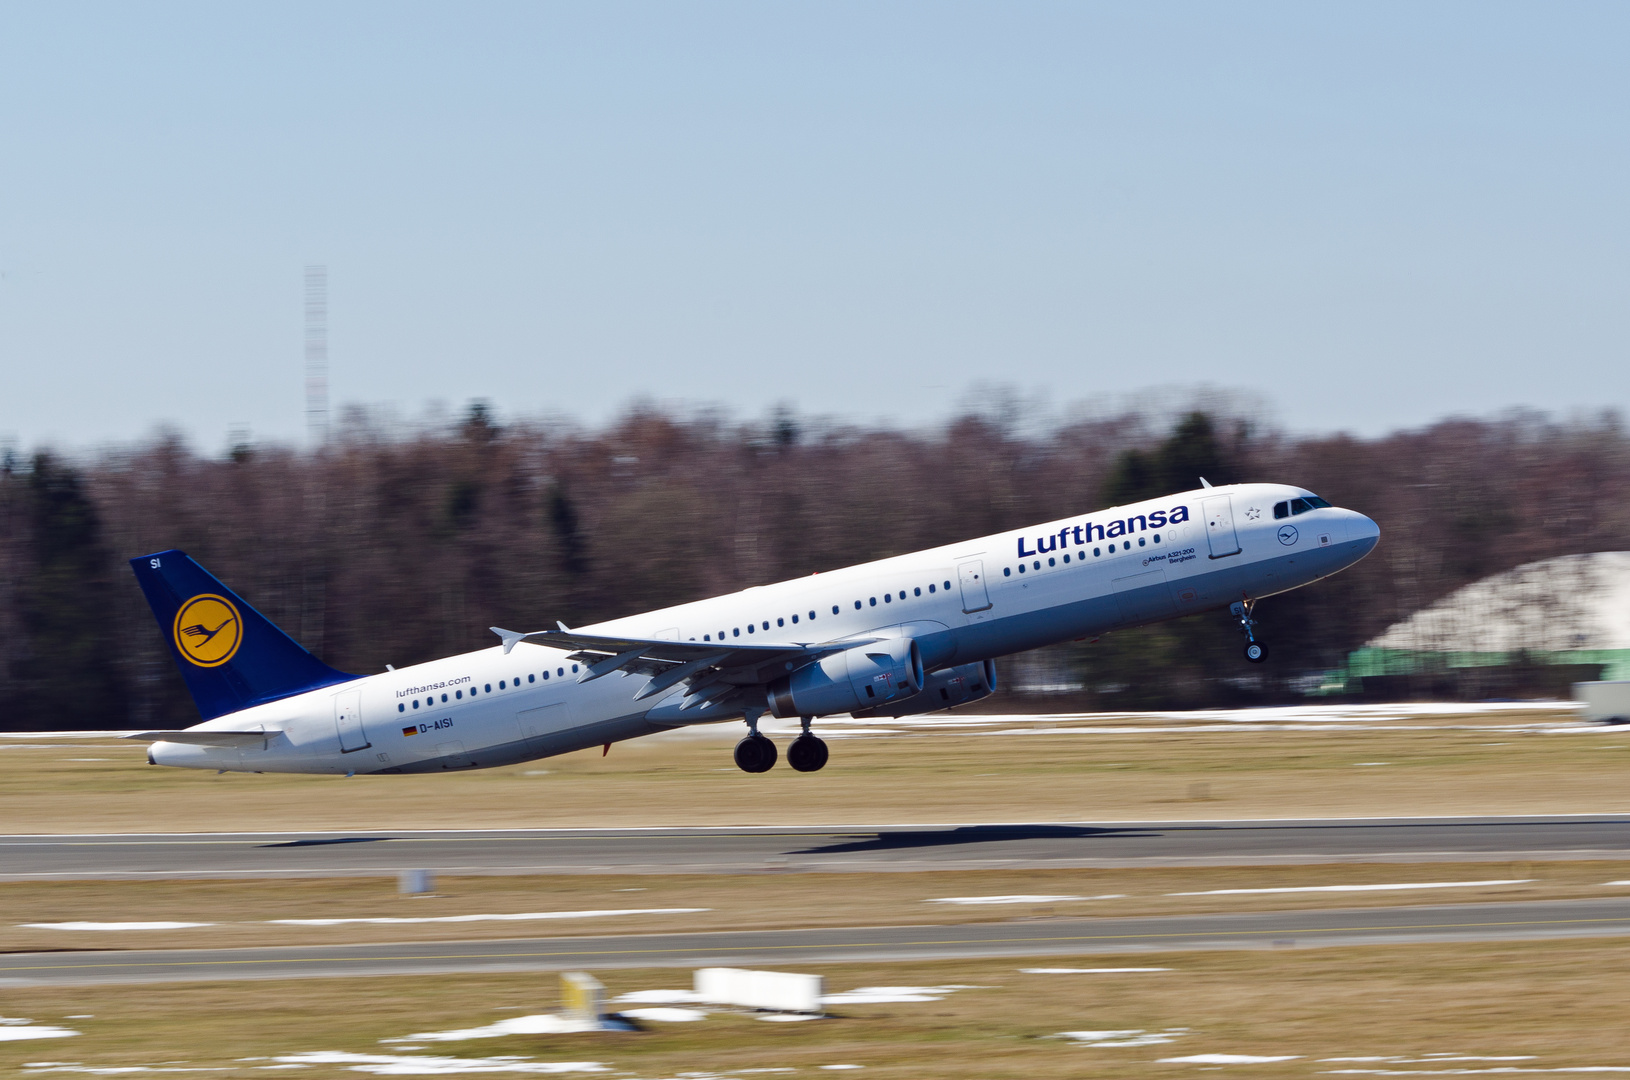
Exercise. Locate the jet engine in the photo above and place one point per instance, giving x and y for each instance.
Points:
(857, 678)
(943, 689)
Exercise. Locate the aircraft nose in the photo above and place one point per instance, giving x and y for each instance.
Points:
(1364, 530)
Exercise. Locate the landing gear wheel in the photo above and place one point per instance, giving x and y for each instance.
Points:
(755, 754)
(807, 754)
(1256, 652)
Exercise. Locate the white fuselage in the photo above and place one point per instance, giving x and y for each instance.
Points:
(962, 603)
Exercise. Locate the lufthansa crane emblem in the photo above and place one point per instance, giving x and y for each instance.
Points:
(208, 630)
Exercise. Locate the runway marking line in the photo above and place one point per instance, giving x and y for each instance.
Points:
(1280, 932)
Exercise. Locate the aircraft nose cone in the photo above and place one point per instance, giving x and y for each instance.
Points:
(1365, 531)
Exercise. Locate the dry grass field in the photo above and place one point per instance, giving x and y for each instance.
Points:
(243, 913)
(1020, 770)
(1392, 1011)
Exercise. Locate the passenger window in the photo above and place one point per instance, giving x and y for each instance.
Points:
(783, 622)
(1066, 558)
(415, 703)
(574, 669)
(749, 628)
(915, 592)
(444, 699)
(1141, 542)
(1157, 538)
(460, 693)
(707, 637)
(545, 676)
(562, 671)
(1037, 564)
(1281, 510)
(874, 601)
(400, 707)
(1096, 553)
(766, 624)
(533, 678)
(930, 588)
(795, 618)
(487, 688)
(500, 684)
(1007, 571)
(947, 586)
(888, 598)
(902, 594)
(735, 632)
(1021, 568)
(1052, 561)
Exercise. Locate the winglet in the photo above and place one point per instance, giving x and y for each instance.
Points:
(564, 629)
(511, 637)
(1204, 482)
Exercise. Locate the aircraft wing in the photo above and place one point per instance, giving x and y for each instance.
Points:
(702, 664)
(206, 738)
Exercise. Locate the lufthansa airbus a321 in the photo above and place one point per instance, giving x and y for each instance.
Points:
(909, 634)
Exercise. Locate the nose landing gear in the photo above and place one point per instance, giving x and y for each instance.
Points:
(1255, 651)
(807, 752)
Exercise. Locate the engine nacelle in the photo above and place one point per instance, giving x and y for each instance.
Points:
(858, 678)
(943, 689)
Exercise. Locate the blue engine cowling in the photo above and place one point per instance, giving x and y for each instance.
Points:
(943, 689)
(858, 678)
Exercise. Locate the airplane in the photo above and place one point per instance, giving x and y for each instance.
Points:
(909, 634)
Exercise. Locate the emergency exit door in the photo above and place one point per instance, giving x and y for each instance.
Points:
(974, 596)
(1219, 515)
(348, 719)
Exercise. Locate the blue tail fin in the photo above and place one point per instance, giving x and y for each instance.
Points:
(230, 654)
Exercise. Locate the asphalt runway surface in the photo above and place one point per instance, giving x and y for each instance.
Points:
(810, 849)
(1045, 937)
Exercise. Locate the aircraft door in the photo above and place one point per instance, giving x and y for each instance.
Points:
(1219, 515)
(974, 595)
(348, 720)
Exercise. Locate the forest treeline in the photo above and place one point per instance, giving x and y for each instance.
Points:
(382, 549)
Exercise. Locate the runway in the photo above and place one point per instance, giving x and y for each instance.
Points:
(1047, 937)
(837, 849)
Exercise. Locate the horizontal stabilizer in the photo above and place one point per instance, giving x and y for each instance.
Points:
(205, 738)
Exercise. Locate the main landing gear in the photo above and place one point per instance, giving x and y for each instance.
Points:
(756, 753)
(1255, 651)
(807, 753)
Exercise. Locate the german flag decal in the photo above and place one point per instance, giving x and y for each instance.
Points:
(410, 731)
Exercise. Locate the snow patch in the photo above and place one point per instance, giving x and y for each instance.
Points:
(666, 1015)
(1085, 971)
(884, 995)
(1360, 888)
(1012, 899)
(538, 1024)
(112, 925)
(1123, 1037)
(660, 997)
(527, 916)
(18, 1029)
(406, 1065)
(1229, 1059)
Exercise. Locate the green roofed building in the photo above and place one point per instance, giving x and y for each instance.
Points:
(1561, 620)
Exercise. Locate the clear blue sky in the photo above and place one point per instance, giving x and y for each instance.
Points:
(1361, 215)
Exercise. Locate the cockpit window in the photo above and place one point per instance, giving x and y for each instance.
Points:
(1281, 510)
(1302, 506)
